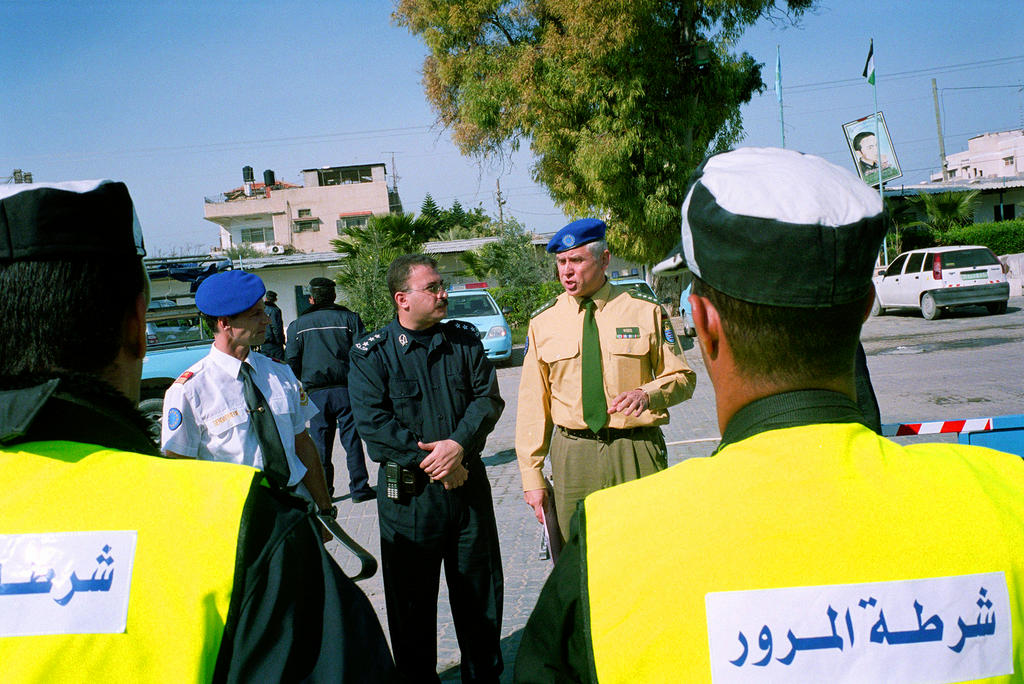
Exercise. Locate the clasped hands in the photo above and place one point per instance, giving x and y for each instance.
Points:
(444, 462)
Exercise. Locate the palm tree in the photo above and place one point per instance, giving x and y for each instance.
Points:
(368, 251)
(950, 209)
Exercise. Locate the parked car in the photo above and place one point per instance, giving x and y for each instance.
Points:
(478, 307)
(938, 278)
(641, 285)
(176, 339)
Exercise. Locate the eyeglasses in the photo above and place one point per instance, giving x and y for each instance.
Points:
(433, 288)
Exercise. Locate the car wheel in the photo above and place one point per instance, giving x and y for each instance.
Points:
(153, 410)
(876, 308)
(928, 308)
(996, 308)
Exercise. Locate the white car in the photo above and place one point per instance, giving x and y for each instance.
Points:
(937, 278)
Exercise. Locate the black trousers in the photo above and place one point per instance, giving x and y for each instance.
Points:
(336, 414)
(455, 528)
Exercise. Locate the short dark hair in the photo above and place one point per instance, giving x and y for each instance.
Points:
(398, 271)
(859, 138)
(788, 345)
(65, 314)
(322, 291)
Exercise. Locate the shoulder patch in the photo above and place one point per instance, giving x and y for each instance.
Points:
(184, 377)
(544, 307)
(642, 295)
(370, 341)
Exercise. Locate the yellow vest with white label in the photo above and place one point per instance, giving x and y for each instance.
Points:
(187, 517)
(797, 507)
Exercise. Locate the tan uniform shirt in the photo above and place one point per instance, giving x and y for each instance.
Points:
(638, 350)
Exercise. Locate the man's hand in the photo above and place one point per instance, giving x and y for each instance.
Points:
(444, 456)
(632, 403)
(325, 534)
(457, 478)
(537, 498)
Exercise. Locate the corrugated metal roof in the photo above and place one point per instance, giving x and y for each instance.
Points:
(468, 244)
(963, 185)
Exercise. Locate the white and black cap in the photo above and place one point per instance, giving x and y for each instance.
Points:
(42, 221)
(777, 227)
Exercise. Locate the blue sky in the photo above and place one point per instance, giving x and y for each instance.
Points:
(175, 98)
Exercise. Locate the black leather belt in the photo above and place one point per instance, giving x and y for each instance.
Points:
(604, 434)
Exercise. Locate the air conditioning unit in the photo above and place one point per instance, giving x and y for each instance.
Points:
(275, 249)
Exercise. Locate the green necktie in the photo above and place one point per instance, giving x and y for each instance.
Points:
(595, 410)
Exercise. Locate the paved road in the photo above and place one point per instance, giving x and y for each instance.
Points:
(965, 365)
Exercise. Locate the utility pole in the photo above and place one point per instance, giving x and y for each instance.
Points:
(499, 199)
(938, 126)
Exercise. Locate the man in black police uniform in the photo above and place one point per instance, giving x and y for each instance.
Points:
(196, 584)
(425, 398)
(319, 342)
(273, 344)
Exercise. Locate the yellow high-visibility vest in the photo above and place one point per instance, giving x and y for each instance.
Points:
(186, 517)
(809, 506)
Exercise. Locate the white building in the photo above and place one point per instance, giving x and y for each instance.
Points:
(276, 218)
(990, 155)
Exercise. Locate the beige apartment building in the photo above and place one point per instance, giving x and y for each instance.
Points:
(277, 218)
(989, 155)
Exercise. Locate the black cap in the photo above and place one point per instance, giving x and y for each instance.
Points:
(321, 282)
(271, 296)
(41, 221)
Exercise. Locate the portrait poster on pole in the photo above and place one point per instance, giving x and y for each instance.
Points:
(869, 142)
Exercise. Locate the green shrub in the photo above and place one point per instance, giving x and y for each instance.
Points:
(1003, 237)
(523, 300)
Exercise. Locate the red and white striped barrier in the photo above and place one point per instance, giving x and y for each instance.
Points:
(937, 427)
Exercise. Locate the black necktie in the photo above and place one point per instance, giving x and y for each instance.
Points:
(275, 464)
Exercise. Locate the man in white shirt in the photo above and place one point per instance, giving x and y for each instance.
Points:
(211, 414)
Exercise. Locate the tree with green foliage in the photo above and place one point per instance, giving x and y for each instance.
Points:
(369, 250)
(429, 208)
(946, 210)
(510, 261)
(619, 101)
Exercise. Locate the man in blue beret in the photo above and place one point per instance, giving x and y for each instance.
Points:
(239, 406)
(602, 366)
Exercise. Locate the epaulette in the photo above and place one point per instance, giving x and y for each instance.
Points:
(184, 377)
(467, 329)
(635, 294)
(276, 360)
(544, 307)
(370, 341)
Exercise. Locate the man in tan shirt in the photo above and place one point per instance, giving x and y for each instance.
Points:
(641, 371)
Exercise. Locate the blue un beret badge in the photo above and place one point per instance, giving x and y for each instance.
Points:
(174, 419)
(568, 239)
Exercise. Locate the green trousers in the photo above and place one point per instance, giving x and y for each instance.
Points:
(580, 466)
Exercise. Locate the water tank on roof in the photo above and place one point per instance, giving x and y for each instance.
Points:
(247, 176)
(268, 177)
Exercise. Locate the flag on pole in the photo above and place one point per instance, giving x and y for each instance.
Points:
(778, 74)
(869, 66)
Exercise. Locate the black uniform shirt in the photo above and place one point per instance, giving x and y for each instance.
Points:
(407, 388)
(319, 342)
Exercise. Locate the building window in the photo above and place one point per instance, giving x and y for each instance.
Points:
(347, 223)
(1004, 212)
(306, 226)
(1007, 161)
(345, 175)
(261, 234)
(305, 213)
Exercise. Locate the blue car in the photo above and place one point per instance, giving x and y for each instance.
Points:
(478, 307)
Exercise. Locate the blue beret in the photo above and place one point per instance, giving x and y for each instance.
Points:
(577, 233)
(229, 293)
